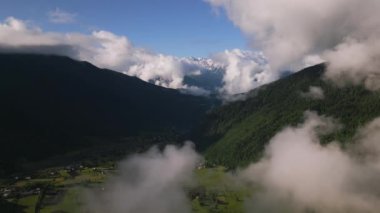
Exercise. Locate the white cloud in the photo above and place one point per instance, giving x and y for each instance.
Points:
(300, 175)
(314, 93)
(163, 70)
(244, 70)
(311, 60)
(241, 70)
(59, 16)
(343, 32)
(150, 182)
(356, 62)
(102, 48)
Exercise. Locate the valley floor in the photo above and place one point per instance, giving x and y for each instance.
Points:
(63, 190)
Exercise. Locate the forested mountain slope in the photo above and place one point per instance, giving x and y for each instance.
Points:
(236, 134)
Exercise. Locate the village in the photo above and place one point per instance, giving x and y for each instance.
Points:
(38, 191)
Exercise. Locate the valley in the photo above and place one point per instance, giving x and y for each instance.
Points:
(63, 189)
(70, 146)
(192, 106)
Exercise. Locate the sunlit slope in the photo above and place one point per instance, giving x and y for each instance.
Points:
(236, 134)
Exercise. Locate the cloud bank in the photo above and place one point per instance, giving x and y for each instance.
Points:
(150, 182)
(294, 33)
(297, 174)
(241, 70)
(244, 70)
(102, 48)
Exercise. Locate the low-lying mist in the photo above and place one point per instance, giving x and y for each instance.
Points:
(296, 174)
(150, 182)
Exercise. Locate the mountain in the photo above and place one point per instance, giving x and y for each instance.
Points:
(53, 104)
(205, 63)
(203, 73)
(236, 134)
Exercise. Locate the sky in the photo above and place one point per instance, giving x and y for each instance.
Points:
(174, 27)
(253, 41)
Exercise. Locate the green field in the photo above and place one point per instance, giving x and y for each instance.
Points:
(215, 191)
(69, 201)
(29, 202)
(52, 190)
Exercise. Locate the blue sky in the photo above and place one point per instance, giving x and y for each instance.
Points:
(175, 27)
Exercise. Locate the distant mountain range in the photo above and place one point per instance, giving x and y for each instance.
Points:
(204, 73)
(206, 63)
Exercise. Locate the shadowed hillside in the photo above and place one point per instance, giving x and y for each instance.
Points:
(52, 104)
